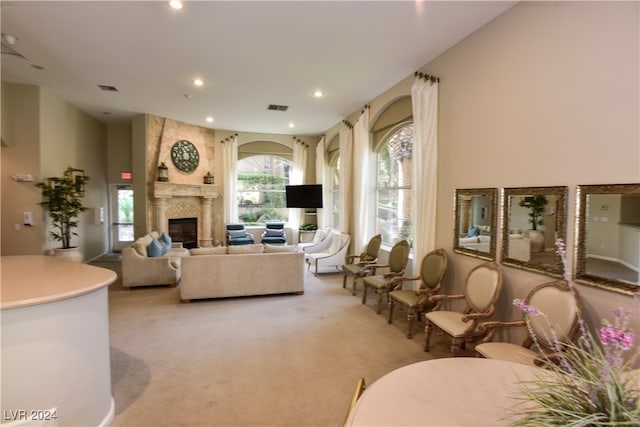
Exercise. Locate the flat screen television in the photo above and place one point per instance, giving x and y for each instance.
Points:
(304, 196)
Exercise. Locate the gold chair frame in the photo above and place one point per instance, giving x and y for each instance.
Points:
(416, 302)
(474, 312)
(382, 283)
(547, 343)
(360, 268)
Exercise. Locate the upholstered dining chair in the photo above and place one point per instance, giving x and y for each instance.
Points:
(357, 265)
(382, 283)
(553, 328)
(416, 301)
(481, 291)
(274, 233)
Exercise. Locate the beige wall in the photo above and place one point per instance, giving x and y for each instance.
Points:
(119, 151)
(546, 94)
(45, 135)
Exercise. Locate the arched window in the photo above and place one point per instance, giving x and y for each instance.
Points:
(393, 187)
(261, 188)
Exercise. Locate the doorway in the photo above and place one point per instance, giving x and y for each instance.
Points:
(122, 216)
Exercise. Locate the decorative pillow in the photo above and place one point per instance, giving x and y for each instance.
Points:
(218, 250)
(473, 231)
(245, 249)
(237, 233)
(335, 245)
(154, 249)
(140, 248)
(274, 233)
(318, 236)
(280, 248)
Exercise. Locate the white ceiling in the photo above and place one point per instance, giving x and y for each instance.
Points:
(249, 53)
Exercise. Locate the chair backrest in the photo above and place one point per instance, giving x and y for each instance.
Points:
(399, 256)
(433, 267)
(274, 225)
(235, 226)
(560, 308)
(319, 235)
(373, 247)
(483, 287)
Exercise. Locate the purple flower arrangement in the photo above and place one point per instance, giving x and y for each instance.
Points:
(591, 385)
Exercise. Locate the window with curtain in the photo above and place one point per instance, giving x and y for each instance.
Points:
(393, 187)
(334, 169)
(261, 185)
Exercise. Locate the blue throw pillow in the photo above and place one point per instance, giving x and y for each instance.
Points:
(154, 249)
(473, 231)
(274, 233)
(165, 241)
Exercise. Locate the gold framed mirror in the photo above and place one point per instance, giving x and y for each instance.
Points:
(476, 222)
(533, 218)
(607, 245)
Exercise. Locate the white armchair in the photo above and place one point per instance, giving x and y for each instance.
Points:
(328, 253)
(321, 238)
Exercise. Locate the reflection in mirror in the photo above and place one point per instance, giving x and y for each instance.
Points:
(476, 222)
(534, 217)
(607, 245)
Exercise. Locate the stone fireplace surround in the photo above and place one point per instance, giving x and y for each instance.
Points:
(172, 200)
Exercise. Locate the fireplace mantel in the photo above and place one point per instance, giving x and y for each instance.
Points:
(163, 193)
(168, 189)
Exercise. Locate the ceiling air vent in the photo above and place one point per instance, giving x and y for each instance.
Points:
(8, 50)
(276, 107)
(108, 88)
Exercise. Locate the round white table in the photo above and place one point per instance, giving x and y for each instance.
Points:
(444, 392)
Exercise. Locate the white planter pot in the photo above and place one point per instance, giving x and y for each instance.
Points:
(536, 237)
(71, 254)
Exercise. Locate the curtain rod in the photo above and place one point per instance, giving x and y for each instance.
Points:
(427, 76)
(229, 138)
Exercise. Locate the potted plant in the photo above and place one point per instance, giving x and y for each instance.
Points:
(62, 199)
(536, 205)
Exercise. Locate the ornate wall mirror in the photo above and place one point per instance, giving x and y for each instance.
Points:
(607, 247)
(533, 218)
(475, 222)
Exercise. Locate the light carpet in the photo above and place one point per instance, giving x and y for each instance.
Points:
(282, 360)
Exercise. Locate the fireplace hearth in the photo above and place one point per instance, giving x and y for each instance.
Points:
(184, 230)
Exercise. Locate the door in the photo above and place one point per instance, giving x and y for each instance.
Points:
(122, 215)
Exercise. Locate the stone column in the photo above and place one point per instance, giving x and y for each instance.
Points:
(160, 205)
(206, 240)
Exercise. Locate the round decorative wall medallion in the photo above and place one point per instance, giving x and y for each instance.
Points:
(185, 156)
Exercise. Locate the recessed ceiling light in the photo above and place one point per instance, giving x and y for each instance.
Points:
(198, 82)
(291, 125)
(209, 119)
(318, 93)
(176, 4)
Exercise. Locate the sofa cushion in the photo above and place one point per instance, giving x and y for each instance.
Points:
(245, 249)
(236, 233)
(280, 248)
(154, 249)
(218, 250)
(140, 248)
(273, 233)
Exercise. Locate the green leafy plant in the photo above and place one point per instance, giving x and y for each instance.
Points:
(62, 199)
(308, 227)
(536, 205)
(588, 384)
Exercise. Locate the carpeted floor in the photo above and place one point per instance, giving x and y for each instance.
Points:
(282, 360)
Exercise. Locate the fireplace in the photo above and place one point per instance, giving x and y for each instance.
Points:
(184, 230)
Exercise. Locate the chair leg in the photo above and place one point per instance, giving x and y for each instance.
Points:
(389, 317)
(344, 281)
(353, 289)
(411, 316)
(427, 332)
(456, 345)
(379, 305)
(364, 292)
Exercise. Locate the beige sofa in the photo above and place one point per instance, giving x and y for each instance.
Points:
(140, 269)
(262, 270)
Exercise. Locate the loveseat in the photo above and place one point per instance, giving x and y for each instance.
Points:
(232, 271)
(152, 260)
